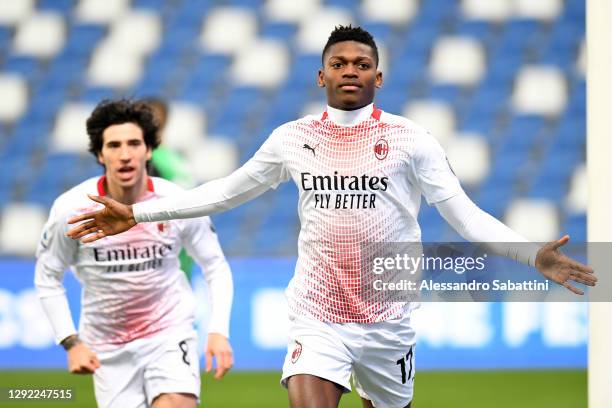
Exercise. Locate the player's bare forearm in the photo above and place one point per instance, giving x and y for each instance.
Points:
(113, 219)
(558, 267)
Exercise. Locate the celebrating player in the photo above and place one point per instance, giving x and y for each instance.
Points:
(360, 174)
(136, 333)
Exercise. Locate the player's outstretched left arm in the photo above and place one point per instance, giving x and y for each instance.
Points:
(113, 219)
(475, 225)
(218, 346)
(556, 266)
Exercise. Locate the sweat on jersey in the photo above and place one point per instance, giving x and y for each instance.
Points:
(360, 176)
(132, 285)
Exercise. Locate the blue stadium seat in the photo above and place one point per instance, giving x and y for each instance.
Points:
(43, 108)
(518, 35)
(16, 172)
(233, 113)
(252, 4)
(82, 38)
(28, 67)
(450, 94)
(575, 9)
(347, 4)
(5, 40)
(278, 31)
(45, 188)
(434, 11)
(577, 99)
(522, 134)
(477, 120)
(64, 7)
(494, 196)
(195, 7)
(382, 32)
(409, 67)
(571, 132)
(95, 94)
(482, 31)
(391, 98)
(155, 5)
(575, 226)
(304, 70)
(432, 224)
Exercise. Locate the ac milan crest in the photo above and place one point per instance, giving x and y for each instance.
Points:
(297, 352)
(381, 149)
(163, 228)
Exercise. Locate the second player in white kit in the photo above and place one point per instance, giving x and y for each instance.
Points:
(136, 330)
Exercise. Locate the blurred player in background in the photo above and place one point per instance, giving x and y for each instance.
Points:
(136, 331)
(360, 174)
(170, 165)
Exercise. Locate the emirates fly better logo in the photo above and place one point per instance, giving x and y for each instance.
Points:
(381, 149)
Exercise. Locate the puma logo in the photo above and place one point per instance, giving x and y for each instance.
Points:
(312, 149)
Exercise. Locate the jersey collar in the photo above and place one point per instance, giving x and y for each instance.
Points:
(351, 118)
(102, 180)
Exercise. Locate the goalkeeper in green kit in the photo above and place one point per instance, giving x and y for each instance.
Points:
(170, 165)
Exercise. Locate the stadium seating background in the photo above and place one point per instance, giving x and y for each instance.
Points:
(506, 98)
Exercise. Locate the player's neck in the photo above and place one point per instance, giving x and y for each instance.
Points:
(129, 195)
(349, 117)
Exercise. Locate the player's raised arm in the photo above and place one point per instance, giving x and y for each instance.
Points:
(263, 171)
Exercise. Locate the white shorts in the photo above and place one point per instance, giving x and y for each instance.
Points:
(134, 375)
(379, 356)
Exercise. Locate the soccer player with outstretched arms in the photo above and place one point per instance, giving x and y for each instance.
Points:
(136, 333)
(360, 173)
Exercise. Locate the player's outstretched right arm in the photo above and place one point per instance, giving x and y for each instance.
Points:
(263, 171)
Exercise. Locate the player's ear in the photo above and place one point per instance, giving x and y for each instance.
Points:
(100, 158)
(320, 81)
(379, 79)
(149, 153)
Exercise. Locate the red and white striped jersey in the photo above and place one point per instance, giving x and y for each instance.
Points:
(132, 283)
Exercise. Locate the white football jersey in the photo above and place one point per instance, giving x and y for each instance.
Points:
(132, 283)
(360, 176)
(358, 184)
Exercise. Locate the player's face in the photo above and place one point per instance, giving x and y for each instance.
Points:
(349, 75)
(124, 154)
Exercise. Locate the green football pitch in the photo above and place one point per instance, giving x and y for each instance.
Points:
(473, 389)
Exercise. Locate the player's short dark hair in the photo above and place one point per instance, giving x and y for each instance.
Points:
(116, 112)
(349, 33)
